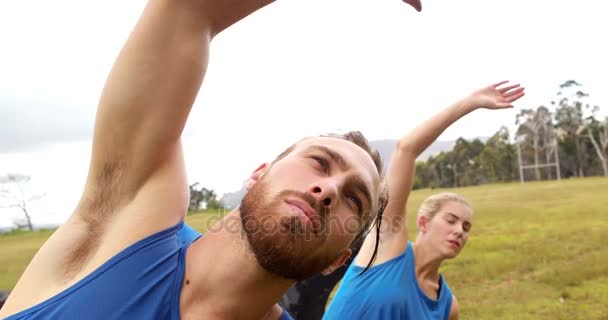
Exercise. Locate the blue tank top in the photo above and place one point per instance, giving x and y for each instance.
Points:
(388, 291)
(143, 281)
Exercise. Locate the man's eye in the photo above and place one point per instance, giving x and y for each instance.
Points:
(356, 201)
(322, 162)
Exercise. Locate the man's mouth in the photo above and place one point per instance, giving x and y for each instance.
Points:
(306, 211)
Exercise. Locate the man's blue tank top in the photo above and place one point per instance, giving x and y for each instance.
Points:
(388, 291)
(143, 281)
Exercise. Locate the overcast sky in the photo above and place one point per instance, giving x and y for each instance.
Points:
(292, 69)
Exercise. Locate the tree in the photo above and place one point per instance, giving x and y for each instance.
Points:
(442, 171)
(598, 135)
(196, 197)
(577, 118)
(569, 118)
(466, 155)
(424, 175)
(458, 167)
(536, 128)
(14, 195)
(497, 158)
(211, 199)
(201, 197)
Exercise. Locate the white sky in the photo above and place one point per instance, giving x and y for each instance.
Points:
(292, 69)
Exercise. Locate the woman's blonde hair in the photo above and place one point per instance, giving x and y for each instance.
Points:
(431, 205)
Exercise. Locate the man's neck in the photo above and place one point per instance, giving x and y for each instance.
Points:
(223, 278)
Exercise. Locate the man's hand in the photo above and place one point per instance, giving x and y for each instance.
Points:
(494, 97)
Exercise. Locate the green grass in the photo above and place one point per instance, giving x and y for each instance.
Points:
(537, 251)
(16, 251)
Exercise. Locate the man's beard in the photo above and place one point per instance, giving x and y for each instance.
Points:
(279, 242)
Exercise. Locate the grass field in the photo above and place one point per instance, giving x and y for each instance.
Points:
(537, 251)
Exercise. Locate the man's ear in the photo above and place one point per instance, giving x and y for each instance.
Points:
(256, 175)
(337, 263)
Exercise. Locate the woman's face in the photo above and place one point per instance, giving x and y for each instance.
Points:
(448, 230)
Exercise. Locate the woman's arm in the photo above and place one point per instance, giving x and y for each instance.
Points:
(400, 175)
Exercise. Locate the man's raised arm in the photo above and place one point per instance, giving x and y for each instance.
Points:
(150, 91)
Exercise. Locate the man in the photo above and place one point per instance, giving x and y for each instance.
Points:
(125, 253)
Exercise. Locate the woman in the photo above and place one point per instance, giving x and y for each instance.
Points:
(404, 280)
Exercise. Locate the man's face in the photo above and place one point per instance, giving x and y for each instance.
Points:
(307, 208)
